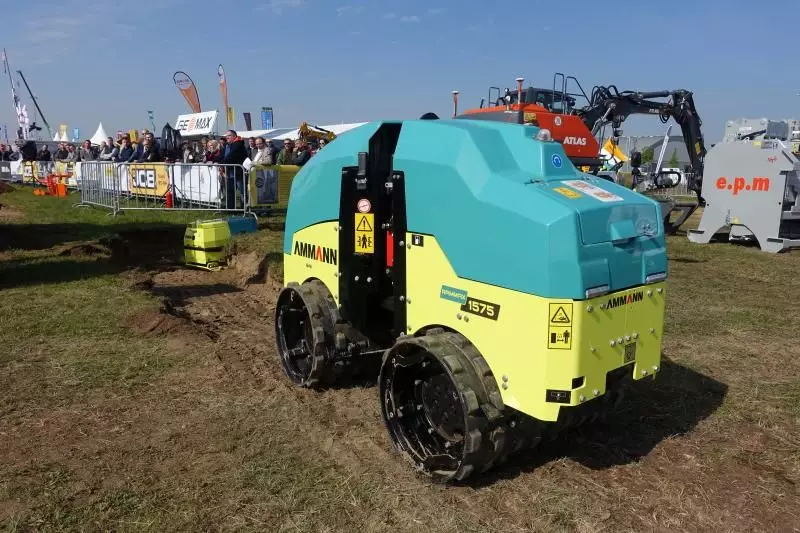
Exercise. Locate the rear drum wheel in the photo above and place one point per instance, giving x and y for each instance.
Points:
(304, 318)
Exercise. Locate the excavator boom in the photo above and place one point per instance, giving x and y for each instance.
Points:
(607, 105)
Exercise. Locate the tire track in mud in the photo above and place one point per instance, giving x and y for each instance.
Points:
(345, 423)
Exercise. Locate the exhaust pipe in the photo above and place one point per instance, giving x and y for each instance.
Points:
(520, 113)
(455, 103)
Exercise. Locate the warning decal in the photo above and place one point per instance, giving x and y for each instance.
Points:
(560, 316)
(593, 190)
(365, 234)
(560, 338)
(559, 326)
(566, 191)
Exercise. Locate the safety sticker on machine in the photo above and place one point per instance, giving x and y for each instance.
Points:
(365, 233)
(593, 190)
(559, 326)
(569, 193)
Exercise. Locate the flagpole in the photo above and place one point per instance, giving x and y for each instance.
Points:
(7, 70)
(36, 104)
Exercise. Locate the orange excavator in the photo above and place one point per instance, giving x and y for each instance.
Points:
(576, 127)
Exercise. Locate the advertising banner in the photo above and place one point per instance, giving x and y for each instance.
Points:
(266, 118)
(149, 179)
(270, 185)
(188, 89)
(223, 87)
(196, 123)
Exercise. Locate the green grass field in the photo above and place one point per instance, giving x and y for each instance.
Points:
(115, 418)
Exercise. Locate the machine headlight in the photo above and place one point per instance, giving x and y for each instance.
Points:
(544, 135)
(655, 278)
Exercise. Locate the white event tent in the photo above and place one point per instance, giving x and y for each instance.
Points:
(99, 136)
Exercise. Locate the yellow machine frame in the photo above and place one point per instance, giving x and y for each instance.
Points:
(545, 353)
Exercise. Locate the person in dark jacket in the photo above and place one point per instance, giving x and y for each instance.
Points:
(28, 150)
(235, 152)
(150, 152)
(62, 154)
(44, 154)
(126, 151)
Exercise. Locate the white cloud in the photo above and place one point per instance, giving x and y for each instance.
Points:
(389, 16)
(409, 18)
(60, 28)
(46, 35)
(436, 10)
(472, 28)
(278, 6)
(45, 22)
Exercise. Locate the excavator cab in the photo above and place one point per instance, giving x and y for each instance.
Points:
(552, 100)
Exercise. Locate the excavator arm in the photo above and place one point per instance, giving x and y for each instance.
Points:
(609, 106)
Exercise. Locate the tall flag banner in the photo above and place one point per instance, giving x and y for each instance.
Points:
(266, 118)
(223, 86)
(19, 107)
(230, 118)
(188, 89)
(76, 134)
(151, 117)
(247, 122)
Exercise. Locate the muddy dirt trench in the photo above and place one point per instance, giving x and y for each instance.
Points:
(233, 320)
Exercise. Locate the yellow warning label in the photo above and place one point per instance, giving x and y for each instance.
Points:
(559, 327)
(561, 314)
(566, 191)
(559, 337)
(365, 234)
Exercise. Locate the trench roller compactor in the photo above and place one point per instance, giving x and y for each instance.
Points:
(495, 293)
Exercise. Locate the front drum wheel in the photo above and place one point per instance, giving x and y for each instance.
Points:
(439, 413)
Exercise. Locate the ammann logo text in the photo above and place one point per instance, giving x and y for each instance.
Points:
(619, 301)
(318, 253)
(453, 294)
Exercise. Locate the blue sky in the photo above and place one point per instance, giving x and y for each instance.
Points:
(330, 61)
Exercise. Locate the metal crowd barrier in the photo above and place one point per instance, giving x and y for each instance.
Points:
(161, 186)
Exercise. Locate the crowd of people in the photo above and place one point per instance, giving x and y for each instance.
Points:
(259, 150)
